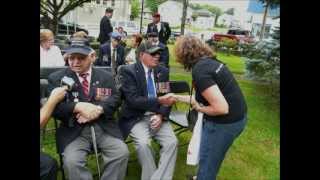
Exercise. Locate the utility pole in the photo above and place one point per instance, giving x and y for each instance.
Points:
(263, 26)
(184, 15)
(141, 16)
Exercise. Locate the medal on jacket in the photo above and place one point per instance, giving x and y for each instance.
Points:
(105, 58)
(103, 93)
(75, 95)
(163, 87)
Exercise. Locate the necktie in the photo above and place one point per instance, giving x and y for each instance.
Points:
(150, 85)
(113, 62)
(85, 84)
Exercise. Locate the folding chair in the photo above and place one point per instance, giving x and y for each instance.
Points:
(176, 116)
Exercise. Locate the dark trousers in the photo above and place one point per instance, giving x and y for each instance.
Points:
(216, 139)
(48, 167)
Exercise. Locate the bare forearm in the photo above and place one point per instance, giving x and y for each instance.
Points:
(213, 111)
(46, 111)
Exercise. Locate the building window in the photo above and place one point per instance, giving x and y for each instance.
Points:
(104, 2)
(97, 1)
(112, 2)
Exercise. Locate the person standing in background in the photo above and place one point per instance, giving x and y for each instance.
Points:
(105, 26)
(162, 28)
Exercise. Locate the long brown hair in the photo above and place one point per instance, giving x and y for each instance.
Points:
(189, 49)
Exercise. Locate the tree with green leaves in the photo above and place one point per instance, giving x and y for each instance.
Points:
(195, 6)
(194, 16)
(230, 11)
(214, 10)
(135, 8)
(53, 11)
(267, 4)
(153, 4)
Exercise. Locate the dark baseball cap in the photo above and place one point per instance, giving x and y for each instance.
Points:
(115, 35)
(78, 45)
(149, 48)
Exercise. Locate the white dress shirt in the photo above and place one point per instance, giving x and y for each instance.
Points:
(154, 85)
(158, 26)
(152, 76)
(51, 57)
(132, 56)
(111, 53)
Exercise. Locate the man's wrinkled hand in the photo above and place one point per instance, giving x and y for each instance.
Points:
(156, 121)
(81, 119)
(88, 111)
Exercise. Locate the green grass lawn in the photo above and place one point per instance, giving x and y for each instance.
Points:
(255, 155)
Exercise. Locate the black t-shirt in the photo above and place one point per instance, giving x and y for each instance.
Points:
(207, 72)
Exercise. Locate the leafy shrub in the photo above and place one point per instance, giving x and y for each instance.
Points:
(225, 45)
(263, 62)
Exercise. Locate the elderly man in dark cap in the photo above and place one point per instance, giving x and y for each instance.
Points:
(86, 116)
(164, 55)
(162, 28)
(111, 53)
(145, 112)
(105, 26)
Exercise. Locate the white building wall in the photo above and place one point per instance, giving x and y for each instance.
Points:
(257, 22)
(204, 22)
(90, 14)
(171, 12)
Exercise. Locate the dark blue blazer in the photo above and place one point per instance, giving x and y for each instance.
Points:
(105, 29)
(164, 56)
(70, 128)
(105, 50)
(164, 32)
(135, 95)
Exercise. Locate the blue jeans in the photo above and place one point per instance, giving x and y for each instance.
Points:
(215, 142)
